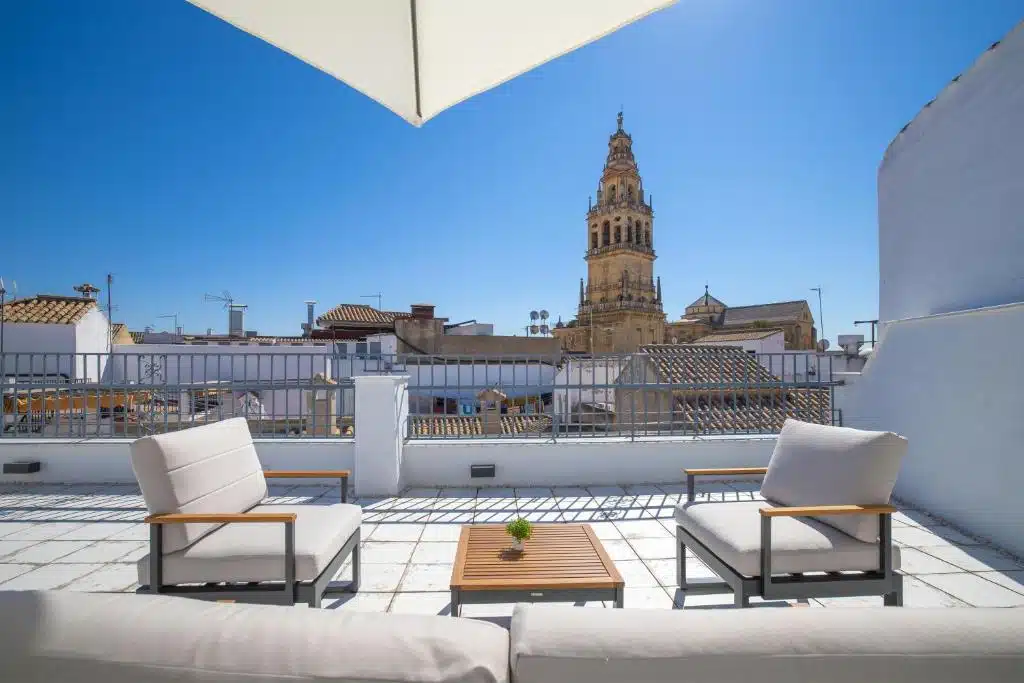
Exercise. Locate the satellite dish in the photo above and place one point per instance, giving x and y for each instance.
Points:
(543, 314)
(823, 345)
(544, 329)
(534, 329)
(534, 315)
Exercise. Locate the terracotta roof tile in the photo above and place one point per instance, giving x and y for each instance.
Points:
(464, 426)
(48, 309)
(754, 413)
(695, 364)
(137, 337)
(360, 314)
(739, 335)
(779, 311)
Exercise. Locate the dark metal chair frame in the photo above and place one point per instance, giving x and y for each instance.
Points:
(884, 581)
(287, 592)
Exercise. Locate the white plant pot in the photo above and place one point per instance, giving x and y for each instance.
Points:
(517, 545)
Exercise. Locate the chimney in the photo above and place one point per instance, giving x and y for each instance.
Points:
(307, 327)
(422, 311)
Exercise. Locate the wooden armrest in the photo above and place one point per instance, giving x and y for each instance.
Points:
(815, 510)
(713, 471)
(210, 518)
(307, 474)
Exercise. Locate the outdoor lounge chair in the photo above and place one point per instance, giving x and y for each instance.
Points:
(211, 536)
(823, 530)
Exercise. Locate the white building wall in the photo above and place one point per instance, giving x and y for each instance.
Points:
(951, 195)
(34, 338)
(773, 344)
(92, 344)
(951, 384)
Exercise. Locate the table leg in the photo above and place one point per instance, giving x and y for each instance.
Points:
(456, 606)
(620, 597)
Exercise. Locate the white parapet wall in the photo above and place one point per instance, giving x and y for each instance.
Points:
(67, 461)
(576, 462)
(952, 385)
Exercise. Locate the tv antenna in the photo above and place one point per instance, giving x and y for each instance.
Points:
(224, 297)
(378, 296)
(171, 315)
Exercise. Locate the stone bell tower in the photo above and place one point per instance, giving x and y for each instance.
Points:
(621, 301)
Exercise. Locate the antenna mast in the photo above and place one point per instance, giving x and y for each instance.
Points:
(378, 296)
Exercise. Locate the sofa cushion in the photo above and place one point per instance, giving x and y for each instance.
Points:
(125, 638)
(212, 468)
(559, 643)
(255, 552)
(822, 465)
(732, 531)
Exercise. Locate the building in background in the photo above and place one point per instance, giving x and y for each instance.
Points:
(620, 303)
(708, 315)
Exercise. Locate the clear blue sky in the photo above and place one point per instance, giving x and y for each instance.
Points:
(151, 140)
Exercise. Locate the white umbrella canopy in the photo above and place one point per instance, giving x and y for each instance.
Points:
(420, 57)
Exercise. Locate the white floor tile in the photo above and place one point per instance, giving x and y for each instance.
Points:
(390, 552)
(9, 571)
(133, 532)
(105, 551)
(606, 531)
(647, 598)
(456, 518)
(8, 548)
(427, 578)
(920, 537)
(494, 516)
(915, 561)
(665, 571)
(49, 577)
(435, 553)
(110, 578)
(7, 528)
(47, 551)
(438, 603)
(654, 548)
(636, 574)
(975, 558)
(975, 590)
(542, 516)
(1012, 580)
(636, 529)
(917, 593)
(380, 578)
(43, 531)
(618, 550)
(435, 533)
(398, 532)
(359, 602)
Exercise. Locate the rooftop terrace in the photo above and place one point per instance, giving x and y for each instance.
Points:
(87, 537)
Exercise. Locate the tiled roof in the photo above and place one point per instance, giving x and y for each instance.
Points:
(755, 413)
(739, 335)
(48, 309)
(360, 314)
(779, 311)
(706, 300)
(461, 426)
(116, 328)
(694, 364)
(137, 337)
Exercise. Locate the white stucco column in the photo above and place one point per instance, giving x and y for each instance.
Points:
(381, 421)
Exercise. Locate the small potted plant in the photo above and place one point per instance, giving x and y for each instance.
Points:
(520, 530)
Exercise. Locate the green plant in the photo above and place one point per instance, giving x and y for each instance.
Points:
(519, 529)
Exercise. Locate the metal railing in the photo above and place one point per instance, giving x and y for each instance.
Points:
(281, 393)
(285, 393)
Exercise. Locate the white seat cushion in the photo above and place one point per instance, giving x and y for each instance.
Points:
(122, 638)
(255, 552)
(212, 468)
(556, 643)
(732, 531)
(821, 465)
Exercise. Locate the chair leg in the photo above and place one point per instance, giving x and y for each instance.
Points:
(741, 598)
(681, 566)
(354, 587)
(895, 598)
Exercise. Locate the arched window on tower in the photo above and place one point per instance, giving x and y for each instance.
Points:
(629, 193)
(606, 233)
(611, 193)
(593, 239)
(629, 233)
(647, 237)
(618, 234)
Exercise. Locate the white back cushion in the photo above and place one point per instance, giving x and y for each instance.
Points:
(212, 469)
(821, 465)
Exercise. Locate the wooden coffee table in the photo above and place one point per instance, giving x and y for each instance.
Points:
(561, 563)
